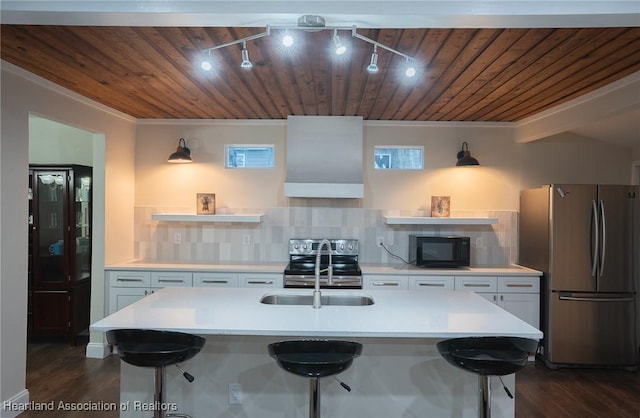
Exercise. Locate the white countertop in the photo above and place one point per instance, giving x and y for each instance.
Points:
(395, 314)
(263, 267)
(278, 267)
(512, 270)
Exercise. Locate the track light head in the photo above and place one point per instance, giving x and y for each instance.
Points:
(373, 66)
(246, 63)
(410, 69)
(287, 40)
(206, 65)
(340, 49)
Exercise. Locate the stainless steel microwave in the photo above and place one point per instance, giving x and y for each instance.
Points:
(441, 251)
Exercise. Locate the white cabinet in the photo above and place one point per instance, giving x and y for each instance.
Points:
(126, 287)
(214, 279)
(431, 282)
(267, 280)
(385, 281)
(518, 295)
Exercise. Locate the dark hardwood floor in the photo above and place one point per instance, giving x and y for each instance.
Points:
(57, 372)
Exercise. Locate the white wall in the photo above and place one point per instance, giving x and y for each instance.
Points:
(114, 134)
(506, 167)
(51, 142)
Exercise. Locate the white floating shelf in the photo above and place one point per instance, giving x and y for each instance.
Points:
(182, 217)
(426, 220)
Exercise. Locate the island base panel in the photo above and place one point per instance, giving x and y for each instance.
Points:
(399, 377)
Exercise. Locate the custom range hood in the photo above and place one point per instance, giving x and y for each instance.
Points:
(324, 157)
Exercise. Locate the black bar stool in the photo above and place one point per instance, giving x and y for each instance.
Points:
(487, 356)
(315, 359)
(157, 349)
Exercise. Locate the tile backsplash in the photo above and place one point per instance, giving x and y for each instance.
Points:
(266, 242)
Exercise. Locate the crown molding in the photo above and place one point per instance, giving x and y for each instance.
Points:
(56, 88)
(612, 99)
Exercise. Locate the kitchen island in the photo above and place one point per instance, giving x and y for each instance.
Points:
(400, 373)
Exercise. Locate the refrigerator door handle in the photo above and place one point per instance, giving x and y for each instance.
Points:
(583, 299)
(604, 237)
(594, 228)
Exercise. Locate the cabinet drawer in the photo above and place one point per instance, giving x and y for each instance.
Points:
(260, 280)
(385, 282)
(519, 284)
(129, 278)
(431, 282)
(215, 279)
(171, 278)
(476, 283)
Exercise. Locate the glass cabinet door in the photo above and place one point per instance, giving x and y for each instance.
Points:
(51, 225)
(82, 203)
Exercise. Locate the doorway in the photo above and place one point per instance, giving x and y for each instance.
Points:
(52, 142)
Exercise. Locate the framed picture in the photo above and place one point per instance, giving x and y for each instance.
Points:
(440, 206)
(206, 203)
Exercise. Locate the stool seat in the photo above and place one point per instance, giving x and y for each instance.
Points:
(153, 348)
(315, 358)
(157, 349)
(488, 356)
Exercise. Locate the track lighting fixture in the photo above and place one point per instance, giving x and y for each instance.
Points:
(182, 154)
(464, 157)
(311, 23)
(246, 63)
(373, 67)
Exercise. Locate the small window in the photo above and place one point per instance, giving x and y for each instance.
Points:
(398, 158)
(249, 156)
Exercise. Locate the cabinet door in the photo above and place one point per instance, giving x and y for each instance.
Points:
(120, 297)
(50, 228)
(160, 279)
(385, 281)
(431, 282)
(80, 222)
(215, 279)
(51, 312)
(525, 306)
(268, 280)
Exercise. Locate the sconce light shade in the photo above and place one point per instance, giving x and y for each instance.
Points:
(464, 157)
(182, 154)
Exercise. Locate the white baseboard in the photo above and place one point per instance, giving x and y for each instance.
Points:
(98, 350)
(13, 407)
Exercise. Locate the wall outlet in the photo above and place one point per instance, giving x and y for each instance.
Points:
(235, 394)
(479, 242)
(246, 239)
(380, 241)
(177, 238)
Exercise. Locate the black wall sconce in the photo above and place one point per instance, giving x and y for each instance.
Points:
(464, 157)
(182, 154)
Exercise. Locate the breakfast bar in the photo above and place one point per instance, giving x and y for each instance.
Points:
(399, 374)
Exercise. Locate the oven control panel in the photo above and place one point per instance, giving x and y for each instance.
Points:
(310, 246)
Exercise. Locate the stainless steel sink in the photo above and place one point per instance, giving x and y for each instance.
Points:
(326, 300)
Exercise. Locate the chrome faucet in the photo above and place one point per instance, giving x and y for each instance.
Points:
(316, 291)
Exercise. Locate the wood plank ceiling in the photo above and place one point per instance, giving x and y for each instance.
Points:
(501, 75)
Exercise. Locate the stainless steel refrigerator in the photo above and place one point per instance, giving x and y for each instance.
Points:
(585, 240)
